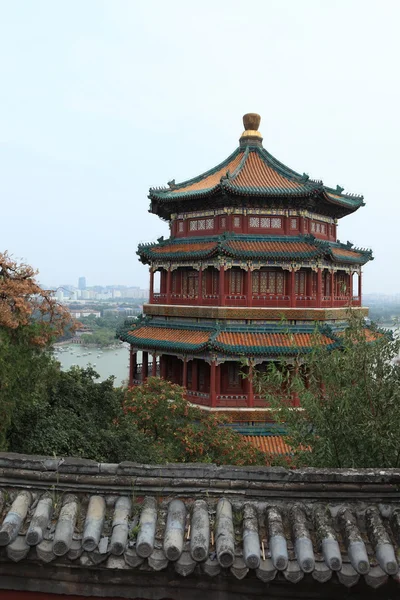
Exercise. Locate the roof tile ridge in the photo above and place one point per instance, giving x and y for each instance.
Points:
(350, 246)
(191, 240)
(286, 171)
(339, 192)
(177, 186)
(260, 237)
(238, 168)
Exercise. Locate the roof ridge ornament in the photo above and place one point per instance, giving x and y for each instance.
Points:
(251, 135)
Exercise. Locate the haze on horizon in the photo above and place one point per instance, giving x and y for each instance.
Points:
(102, 99)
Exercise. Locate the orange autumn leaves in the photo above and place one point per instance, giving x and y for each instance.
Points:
(24, 304)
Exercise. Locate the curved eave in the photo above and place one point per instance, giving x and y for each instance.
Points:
(363, 257)
(168, 196)
(146, 253)
(357, 261)
(350, 203)
(271, 255)
(160, 344)
(268, 350)
(171, 194)
(148, 257)
(270, 192)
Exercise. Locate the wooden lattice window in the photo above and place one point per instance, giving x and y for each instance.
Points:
(300, 283)
(276, 223)
(180, 226)
(234, 380)
(190, 283)
(176, 278)
(254, 222)
(342, 284)
(235, 281)
(279, 283)
(293, 223)
(265, 222)
(267, 282)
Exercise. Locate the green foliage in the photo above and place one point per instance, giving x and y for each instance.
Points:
(75, 416)
(103, 329)
(350, 401)
(25, 372)
(100, 337)
(182, 432)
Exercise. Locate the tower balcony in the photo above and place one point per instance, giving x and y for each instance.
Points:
(269, 287)
(258, 300)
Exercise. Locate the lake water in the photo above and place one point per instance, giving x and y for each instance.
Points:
(109, 361)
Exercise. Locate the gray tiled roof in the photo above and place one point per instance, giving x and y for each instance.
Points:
(202, 520)
(349, 540)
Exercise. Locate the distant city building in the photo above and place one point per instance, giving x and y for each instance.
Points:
(82, 283)
(59, 295)
(77, 314)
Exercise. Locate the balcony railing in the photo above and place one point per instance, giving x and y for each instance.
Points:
(159, 298)
(235, 300)
(271, 300)
(258, 300)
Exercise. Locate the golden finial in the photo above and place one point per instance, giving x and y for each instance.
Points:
(251, 122)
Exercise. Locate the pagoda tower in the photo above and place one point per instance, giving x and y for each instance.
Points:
(251, 265)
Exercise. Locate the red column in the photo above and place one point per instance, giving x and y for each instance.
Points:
(309, 283)
(249, 287)
(332, 288)
(359, 287)
(319, 288)
(286, 221)
(292, 289)
(154, 366)
(245, 224)
(351, 288)
(184, 376)
(145, 366)
(194, 375)
(169, 278)
(132, 366)
(151, 294)
(222, 285)
(213, 392)
(250, 392)
(218, 380)
(163, 366)
(200, 287)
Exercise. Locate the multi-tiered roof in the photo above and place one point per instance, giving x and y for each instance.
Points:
(251, 175)
(251, 216)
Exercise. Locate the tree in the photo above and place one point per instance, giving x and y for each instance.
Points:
(24, 304)
(183, 432)
(350, 401)
(76, 416)
(29, 320)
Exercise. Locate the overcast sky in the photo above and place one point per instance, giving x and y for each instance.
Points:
(99, 100)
